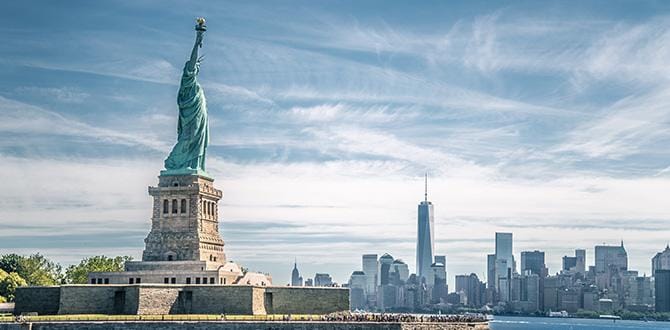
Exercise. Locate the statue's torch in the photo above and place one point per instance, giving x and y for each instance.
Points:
(201, 27)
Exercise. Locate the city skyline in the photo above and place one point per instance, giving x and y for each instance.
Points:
(606, 286)
(531, 119)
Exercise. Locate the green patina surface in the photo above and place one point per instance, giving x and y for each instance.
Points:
(186, 171)
(189, 153)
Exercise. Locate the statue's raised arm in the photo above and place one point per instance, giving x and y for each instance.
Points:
(200, 32)
(188, 155)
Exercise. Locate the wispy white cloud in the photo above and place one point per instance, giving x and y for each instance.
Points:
(341, 112)
(631, 126)
(62, 94)
(636, 52)
(155, 71)
(224, 92)
(430, 94)
(24, 118)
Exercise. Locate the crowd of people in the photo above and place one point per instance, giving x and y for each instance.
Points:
(399, 317)
(349, 317)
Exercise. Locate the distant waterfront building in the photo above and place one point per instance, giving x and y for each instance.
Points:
(400, 271)
(608, 257)
(490, 271)
(638, 291)
(661, 260)
(569, 263)
(425, 245)
(611, 263)
(471, 289)
(504, 249)
(370, 268)
(309, 282)
(357, 290)
(576, 264)
(439, 284)
(580, 266)
(385, 262)
(552, 287)
(323, 279)
(386, 291)
(296, 279)
(504, 265)
(525, 296)
(662, 289)
(461, 283)
(570, 298)
(533, 261)
(442, 260)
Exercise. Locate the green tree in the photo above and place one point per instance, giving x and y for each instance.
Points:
(35, 269)
(78, 274)
(38, 270)
(10, 262)
(8, 284)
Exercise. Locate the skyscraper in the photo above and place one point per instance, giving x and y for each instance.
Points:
(504, 265)
(490, 271)
(533, 261)
(580, 254)
(569, 264)
(661, 260)
(611, 257)
(370, 268)
(504, 248)
(611, 264)
(323, 279)
(662, 286)
(576, 264)
(357, 286)
(400, 270)
(385, 263)
(439, 282)
(296, 279)
(473, 290)
(386, 292)
(461, 283)
(425, 244)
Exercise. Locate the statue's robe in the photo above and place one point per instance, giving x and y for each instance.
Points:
(193, 128)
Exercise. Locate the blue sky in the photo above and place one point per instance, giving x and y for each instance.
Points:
(547, 119)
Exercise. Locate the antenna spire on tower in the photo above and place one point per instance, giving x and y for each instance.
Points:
(425, 194)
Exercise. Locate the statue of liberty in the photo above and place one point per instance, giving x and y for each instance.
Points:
(188, 155)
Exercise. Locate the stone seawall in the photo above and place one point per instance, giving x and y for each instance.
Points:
(300, 300)
(162, 299)
(43, 300)
(167, 325)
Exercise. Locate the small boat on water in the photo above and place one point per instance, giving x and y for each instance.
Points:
(610, 317)
(558, 314)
